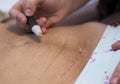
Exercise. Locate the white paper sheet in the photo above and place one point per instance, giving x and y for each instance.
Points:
(103, 60)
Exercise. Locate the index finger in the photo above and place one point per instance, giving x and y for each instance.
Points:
(17, 13)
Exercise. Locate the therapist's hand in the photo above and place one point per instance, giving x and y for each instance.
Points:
(46, 12)
(116, 46)
(115, 79)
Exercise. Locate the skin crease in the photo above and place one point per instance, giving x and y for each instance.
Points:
(47, 18)
(116, 46)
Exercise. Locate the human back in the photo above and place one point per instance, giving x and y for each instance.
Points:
(58, 58)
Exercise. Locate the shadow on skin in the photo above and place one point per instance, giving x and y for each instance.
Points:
(18, 31)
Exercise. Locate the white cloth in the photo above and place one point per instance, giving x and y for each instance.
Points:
(5, 5)
(103, 60)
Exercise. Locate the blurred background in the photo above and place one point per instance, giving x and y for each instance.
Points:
(6, 5)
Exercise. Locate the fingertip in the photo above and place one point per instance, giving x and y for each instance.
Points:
(116, 45)
(28, 12)
(41, 21)
(44, 30)
(30, 7)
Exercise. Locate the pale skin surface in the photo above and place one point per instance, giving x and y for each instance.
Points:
(57, 59)
(50, 12)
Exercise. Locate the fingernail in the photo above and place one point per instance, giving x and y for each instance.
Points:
(28, 12)
(115, 80)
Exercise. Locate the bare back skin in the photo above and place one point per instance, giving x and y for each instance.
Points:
(58, 58)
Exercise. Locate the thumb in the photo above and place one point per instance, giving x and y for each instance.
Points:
(30, 7)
